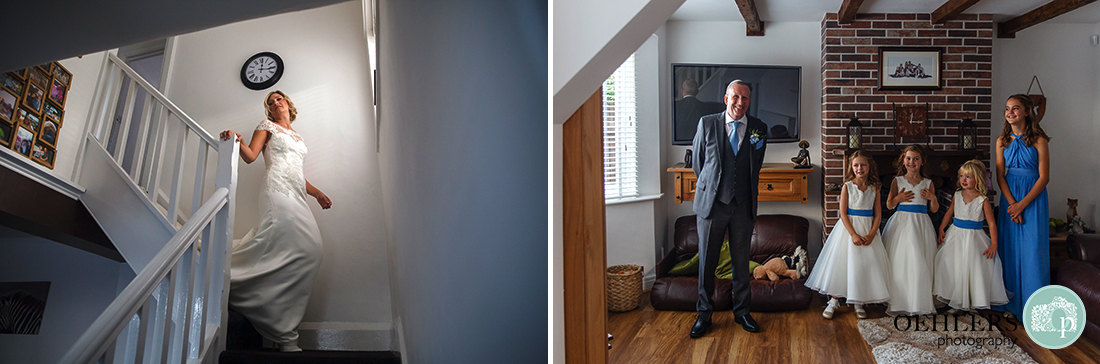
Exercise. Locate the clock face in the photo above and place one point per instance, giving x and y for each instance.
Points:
(262, 70)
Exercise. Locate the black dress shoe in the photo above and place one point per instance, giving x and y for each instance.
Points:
(700, 328)
(747, 323)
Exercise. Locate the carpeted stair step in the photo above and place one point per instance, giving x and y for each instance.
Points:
(244, 345)
(308, 357)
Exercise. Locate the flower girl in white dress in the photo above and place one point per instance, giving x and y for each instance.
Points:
(968, 271)
(910, 237)
(853, 262)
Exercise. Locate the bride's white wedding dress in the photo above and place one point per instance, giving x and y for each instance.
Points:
(272, 272)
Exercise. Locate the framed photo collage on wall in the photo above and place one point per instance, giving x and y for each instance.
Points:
(32, 110)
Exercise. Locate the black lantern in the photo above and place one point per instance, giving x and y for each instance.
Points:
(968, 135)
(854, 135)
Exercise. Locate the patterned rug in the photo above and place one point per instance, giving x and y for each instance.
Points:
(965, 338)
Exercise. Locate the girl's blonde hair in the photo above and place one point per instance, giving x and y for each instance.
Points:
(901, 160)
(289, 105)
(872, 175)
(1032, 130)
(975, 169)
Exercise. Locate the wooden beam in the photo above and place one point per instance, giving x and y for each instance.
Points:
(584, 251)
(754, 26)
(951, 8)
(848, 11)
(1041, 14)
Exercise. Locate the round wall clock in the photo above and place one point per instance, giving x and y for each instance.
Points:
(262, 70)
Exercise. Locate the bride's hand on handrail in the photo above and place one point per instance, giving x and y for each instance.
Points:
(225, 135)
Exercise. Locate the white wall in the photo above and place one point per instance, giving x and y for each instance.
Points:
(464, 153)
(85, 72)
(1068, 65)
(82, 284)
(327, 77)
(786, 44)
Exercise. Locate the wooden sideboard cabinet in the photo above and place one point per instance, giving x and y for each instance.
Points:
(778, 182)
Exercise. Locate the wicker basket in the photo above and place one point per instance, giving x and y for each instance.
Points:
(624, 287)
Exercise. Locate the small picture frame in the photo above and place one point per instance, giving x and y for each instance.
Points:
(49, 132)
(58, 91)
(8, 104)
(910, 68)
(29, 119)
(34, 97)
(13, 84)
(43, 154)
(24, 139)
(53, 111)
(21, 73)
(61, 74)
(38, 77)
(6, 134)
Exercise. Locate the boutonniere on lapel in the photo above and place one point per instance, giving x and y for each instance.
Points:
(756, 138)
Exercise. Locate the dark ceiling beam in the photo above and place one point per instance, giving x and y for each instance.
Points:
(949, 9)
(1008, 29)
(848, 10)
(754, 26)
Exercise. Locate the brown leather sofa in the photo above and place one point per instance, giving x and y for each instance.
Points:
(1081, 273)
(773, 236)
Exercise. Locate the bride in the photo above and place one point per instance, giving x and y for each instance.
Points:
(272, 272)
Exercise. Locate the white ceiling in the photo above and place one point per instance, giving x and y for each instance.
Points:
(814, 10)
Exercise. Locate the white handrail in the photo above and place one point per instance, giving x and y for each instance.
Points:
(107, 327)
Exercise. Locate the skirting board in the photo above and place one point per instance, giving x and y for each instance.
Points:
(345, 336)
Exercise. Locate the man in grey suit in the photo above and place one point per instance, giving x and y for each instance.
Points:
(729, 149)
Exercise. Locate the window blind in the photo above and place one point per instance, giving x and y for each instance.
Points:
(620, 124)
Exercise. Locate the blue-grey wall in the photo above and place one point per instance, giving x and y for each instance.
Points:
(82, 284)
(463, 155)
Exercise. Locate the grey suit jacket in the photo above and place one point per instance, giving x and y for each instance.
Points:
(707, 154)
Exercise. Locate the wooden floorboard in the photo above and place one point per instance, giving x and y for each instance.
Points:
(646, 335)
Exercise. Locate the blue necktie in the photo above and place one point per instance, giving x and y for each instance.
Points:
(733, 137)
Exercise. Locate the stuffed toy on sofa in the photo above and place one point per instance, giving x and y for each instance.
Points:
(792, 266)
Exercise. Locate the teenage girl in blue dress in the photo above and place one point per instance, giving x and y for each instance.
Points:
(1023, 170)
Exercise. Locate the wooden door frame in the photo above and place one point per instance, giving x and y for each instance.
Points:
(584, 256)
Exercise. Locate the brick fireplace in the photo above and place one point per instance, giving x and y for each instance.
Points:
(849, 80)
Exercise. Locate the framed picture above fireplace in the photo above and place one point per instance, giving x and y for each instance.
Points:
(910, 68)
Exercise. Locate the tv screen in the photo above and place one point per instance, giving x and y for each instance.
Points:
(775, 97)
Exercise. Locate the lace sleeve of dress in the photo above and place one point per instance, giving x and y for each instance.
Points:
(268, 126)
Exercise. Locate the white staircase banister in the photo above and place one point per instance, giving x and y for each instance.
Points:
(163, 99)
(114, 319)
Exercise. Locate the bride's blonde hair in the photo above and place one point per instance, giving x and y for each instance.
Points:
(289, 105)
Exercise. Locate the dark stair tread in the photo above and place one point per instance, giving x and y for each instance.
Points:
(308, 356)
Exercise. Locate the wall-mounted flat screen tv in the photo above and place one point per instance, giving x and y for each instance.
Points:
(775, 99)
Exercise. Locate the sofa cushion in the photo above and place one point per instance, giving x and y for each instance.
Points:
(682, 293)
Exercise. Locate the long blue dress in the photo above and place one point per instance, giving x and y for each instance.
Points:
(1025, 247)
